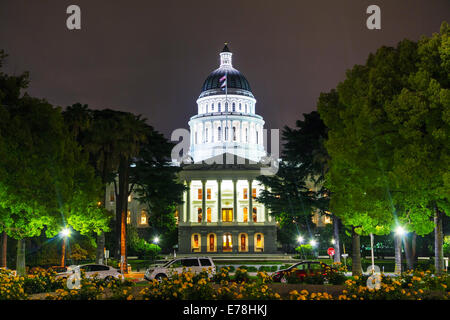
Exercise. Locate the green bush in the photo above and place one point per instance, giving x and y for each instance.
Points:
(306, 251)
(241, 275)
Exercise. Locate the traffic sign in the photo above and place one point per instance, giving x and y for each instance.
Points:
(330, 251)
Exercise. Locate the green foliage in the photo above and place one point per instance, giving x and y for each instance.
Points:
(241, 275)
(305, 251)
(388, 137)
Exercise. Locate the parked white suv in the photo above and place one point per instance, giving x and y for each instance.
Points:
(195, 264)
(93, 270)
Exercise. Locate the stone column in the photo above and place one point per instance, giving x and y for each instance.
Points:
(203, 201)
(234, 200)
(250, 202)
(188, 201)
(219, 201)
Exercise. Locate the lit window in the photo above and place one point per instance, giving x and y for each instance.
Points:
(128, 217)
(208, 215)
(111, 196)
(255, 215)
(245, 193)
(129, 198)
(143, 217)
(254, 193)
(177, 218)
(227, 244)
(245, 214)
(227, 215)
(199, 194)
(208, 194)
(199, 215)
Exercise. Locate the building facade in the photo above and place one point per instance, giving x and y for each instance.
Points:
(220, 213)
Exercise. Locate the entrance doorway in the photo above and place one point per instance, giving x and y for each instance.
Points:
(227, 214)
(227, 243)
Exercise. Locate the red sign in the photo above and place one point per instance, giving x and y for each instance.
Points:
(330, 251)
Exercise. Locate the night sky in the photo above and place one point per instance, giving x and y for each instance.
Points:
(151, 57)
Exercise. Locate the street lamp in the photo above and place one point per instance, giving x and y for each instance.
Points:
(313, 243)
(155, 240)
(333, 241)
(300, 239)
(65, 233)
(400, 231)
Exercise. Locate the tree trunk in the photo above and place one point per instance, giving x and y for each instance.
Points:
(438, 242)
(414, 248)
(356, 254)
(337, 243)
(101, 237)
(408, 253)
(398, 254)
(3, 263)
(20, 262)
(101, 248)
(121, 210)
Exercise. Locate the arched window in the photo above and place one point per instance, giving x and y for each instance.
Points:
(220, 107)
(246, 108)
(206, 135)
(199, 215)
(255, 215)
(208, 215)
(243, 242)
(245, 214)
(259, 242)
(226, 107)
(234, 133)
(195, 242)
(212, 107)
(128, 217)
(211, 242)
(234, 107)
(206, 108)
(219, 133)
(226, 133)
(246, 135)
(143, 219)
(240, 106)
(227, 243)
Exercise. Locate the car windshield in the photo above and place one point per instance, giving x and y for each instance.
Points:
(300, 266)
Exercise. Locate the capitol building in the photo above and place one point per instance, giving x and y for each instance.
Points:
(220, 213)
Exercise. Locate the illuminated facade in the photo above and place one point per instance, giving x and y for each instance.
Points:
(220, 213)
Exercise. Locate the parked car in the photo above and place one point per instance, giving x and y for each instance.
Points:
(303, 269)
(196, 264)
(93, 270)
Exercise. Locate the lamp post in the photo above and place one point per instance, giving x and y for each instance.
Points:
(399, 233)
(313, 244)
(64, 234)
(155, 242)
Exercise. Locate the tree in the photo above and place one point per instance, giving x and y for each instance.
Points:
(156, 183)
(46, 182)
(387, 139)
(296, 191)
